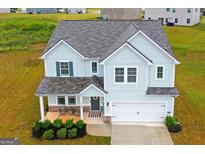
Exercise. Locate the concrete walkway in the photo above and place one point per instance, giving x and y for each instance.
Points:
(99, 129)
(140, 134)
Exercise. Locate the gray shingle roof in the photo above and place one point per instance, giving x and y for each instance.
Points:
(67, 85)
(162, 91)
(98, 39)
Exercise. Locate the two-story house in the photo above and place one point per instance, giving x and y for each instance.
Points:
(178, 16)
(124, 70)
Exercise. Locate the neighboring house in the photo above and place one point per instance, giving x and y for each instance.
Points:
(76, 10)
(41, 10)
(202, 11)
(121, 13)
(124, 70)
(5, 10)
(178, 16)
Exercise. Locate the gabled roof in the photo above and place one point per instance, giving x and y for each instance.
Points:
(98, 39)
(68, 85)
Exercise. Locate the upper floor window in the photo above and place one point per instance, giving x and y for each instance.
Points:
(61, 100)
(173, 10)
(126, 74)
(196, 10)
(168, 9)
(64, 68)
(188, 21)
(189, 10)
(131, 75)
(160, 72)
(119, 75)
(94, 67)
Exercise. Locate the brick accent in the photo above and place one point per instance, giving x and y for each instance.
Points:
(107, 119)
(69, 108)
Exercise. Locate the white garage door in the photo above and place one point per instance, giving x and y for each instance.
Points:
(138, 112)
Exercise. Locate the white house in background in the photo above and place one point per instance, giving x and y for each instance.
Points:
(5, 10)
(118, 71)
(121, 13)
(76, 10)
(178, 16)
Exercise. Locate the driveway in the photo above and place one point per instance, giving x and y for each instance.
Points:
(143, 134)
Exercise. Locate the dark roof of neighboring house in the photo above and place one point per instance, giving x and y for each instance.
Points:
(68, 85)
(162, 91)
(98, 39)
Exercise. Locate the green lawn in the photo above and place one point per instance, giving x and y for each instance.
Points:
(22, 39)
(188, 44)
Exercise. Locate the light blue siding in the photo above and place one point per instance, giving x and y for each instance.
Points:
(159, 58)
(125, 57)
(91, 91)
(62, 52)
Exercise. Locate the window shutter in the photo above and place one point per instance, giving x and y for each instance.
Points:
(57, 69)
(71, 68)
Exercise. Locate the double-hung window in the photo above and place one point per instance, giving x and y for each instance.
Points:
(94, 67)
(189, 10)
(160, 72)
(71, 101)
(188, 21)
(119, 75)
(64, 67)
(131, 75)
(61, 100)
(168, 9)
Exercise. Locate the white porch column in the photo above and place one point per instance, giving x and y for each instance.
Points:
(41, 108)
(81, 107)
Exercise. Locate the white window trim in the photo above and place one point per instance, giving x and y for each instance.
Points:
(125, 74)
(91, 67)
(66, 101)
(62, 75)
(162, 74)
(75, 101)
(57, 100)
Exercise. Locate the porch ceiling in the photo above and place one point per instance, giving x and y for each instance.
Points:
(68, 85)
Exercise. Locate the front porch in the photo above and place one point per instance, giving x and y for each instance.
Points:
(87, 119)
(74, 98)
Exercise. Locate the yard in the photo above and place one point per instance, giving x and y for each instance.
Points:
(22, 39)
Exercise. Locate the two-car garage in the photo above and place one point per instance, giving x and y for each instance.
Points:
(138, 112)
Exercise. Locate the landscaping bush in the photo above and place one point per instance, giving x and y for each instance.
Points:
(72, 133)
(49, 134)
(46, 124)
(170, 121)
(62, 133)
(172, 124)
(57, 123)
(81, 128)
(69, 123)
(38, 130)
(80, 124)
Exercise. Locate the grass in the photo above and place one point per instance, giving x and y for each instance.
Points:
(23, 38)
(21, 72)
(188, 44)
(21, 30)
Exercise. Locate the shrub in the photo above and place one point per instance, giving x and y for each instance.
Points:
(37, 130)
(72, 133)
(46, 124)
(38, 125)
(62, 133)
(80, 124)
(170, 121)
(69, 123)
(57, 123)
(49, 134)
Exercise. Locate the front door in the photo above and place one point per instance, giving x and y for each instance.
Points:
(95, 103)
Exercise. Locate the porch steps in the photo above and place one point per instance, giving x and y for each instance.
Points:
(94, 114)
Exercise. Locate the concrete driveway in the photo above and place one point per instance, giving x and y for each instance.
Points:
(140, 134)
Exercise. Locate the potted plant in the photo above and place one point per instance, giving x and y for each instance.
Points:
(172, 124)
